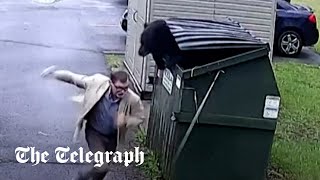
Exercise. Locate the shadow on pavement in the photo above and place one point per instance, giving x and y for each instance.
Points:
(307, 56)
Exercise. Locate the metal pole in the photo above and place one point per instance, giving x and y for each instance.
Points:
(185, 138)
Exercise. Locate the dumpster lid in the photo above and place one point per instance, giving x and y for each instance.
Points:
(196, 34)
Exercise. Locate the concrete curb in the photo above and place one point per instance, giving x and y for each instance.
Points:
(115, 52)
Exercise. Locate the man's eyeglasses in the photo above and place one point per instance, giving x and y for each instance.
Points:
(125, 88)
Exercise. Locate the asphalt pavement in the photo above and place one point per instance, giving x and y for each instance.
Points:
(307, 56)
(39, 113)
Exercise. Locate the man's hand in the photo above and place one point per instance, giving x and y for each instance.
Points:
(48, 71)
(121, 122)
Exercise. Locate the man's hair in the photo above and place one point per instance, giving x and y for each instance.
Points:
(121, 76)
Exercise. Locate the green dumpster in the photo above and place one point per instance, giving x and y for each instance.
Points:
(214, 114)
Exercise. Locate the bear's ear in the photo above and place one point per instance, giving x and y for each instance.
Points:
(145, 25)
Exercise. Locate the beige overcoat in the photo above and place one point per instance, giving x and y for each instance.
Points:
(95, 86)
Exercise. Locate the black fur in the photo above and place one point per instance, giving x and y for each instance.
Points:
(158, 40)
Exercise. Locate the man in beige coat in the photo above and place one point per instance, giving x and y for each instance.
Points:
(109, 108)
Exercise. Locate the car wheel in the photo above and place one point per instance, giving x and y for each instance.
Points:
(289, 43)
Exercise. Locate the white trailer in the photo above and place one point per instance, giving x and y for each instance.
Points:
(258, 16)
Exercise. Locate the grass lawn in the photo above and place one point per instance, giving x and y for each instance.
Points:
(114, 61)
(296, 150)
(315, 5)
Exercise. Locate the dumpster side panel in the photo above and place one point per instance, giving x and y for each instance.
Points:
(240, 91)
(231, 140)
(161, 129)
(223, 152)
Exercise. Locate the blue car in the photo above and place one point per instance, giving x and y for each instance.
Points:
(296, 26)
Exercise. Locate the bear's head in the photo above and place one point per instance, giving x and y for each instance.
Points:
(156, 39)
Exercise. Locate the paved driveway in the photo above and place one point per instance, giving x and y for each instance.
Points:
(307, 56)
(39, 113)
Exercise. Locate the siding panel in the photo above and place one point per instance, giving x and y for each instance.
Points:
(185, 3)
(258, 19)
(245, 20)
(200, 9)
(243, 7)
(255, 15)
(254, 3)
(243, 14)
(178, 8)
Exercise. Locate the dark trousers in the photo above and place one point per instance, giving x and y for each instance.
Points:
(98, 142)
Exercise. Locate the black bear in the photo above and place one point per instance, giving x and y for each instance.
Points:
(159, 41)
(192, 42)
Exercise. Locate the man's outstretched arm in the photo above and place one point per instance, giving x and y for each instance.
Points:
(67, 76)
